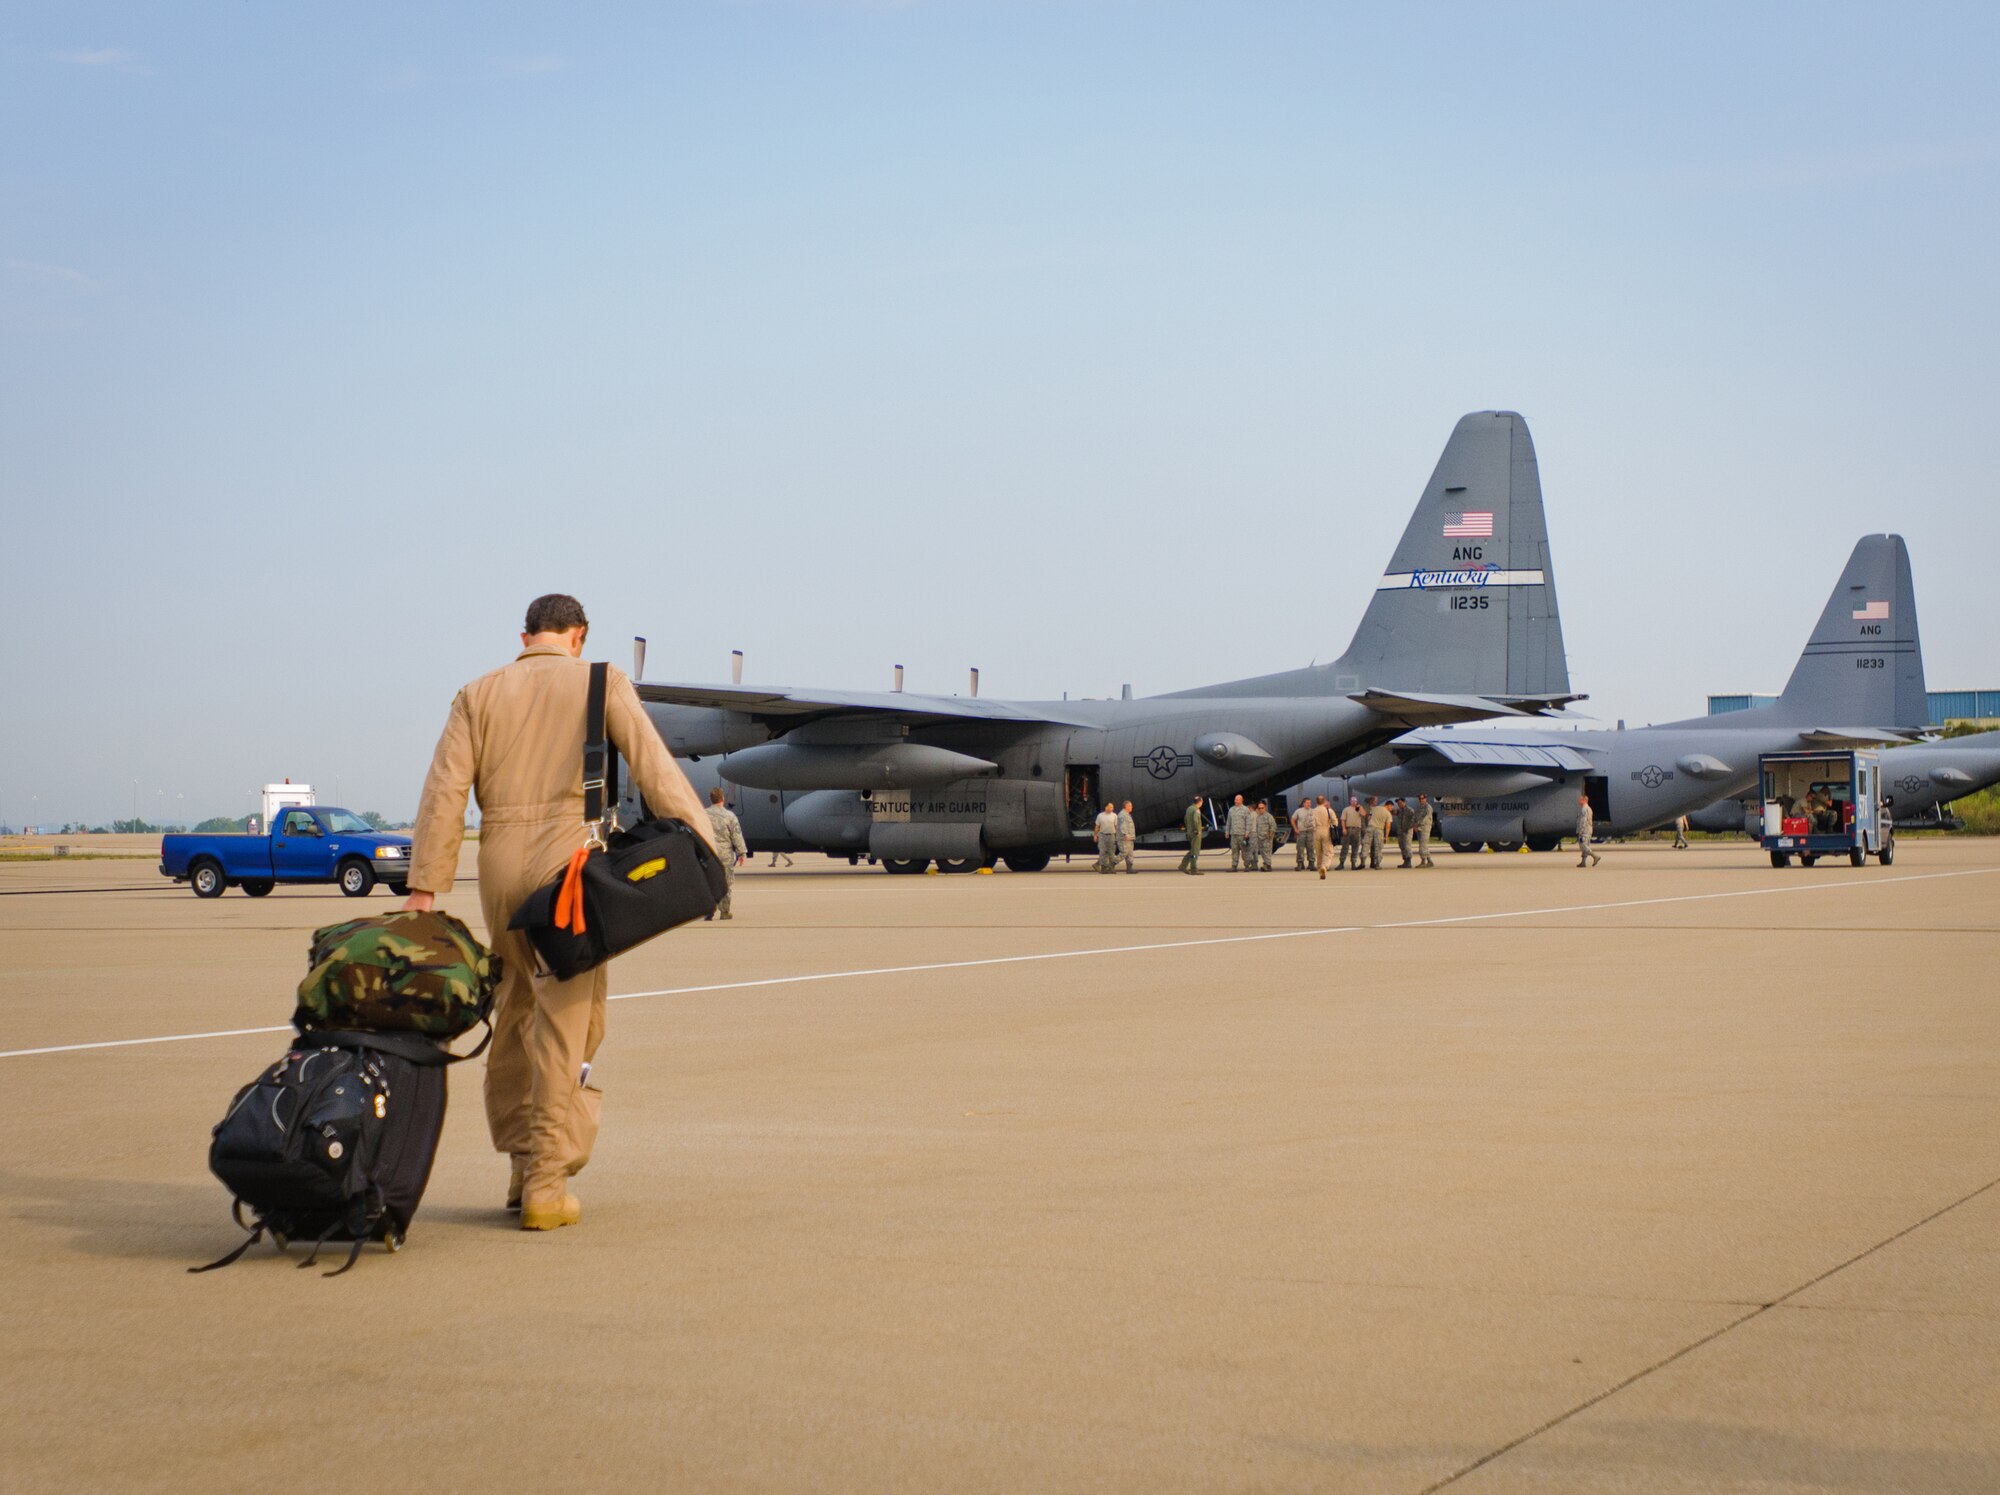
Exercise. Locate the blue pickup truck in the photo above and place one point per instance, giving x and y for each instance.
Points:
(309, 843)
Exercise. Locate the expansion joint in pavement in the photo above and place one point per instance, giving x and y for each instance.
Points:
(1707, 1339)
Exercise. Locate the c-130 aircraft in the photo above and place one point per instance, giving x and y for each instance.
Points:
(1859, 682)
(1460, 628)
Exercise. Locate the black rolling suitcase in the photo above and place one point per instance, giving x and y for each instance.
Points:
(334, 1142)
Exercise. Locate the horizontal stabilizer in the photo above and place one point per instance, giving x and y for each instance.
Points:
(1423, 710)
(779, 701)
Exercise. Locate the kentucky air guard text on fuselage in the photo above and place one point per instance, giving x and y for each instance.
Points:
(1458, 630)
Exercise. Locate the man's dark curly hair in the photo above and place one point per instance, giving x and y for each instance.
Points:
(555, 613)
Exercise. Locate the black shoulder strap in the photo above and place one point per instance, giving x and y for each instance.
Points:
(593, 746)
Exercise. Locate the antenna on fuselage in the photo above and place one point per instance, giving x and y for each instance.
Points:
(899, 677)
(735, 666)
(638, 658)
(975, 680)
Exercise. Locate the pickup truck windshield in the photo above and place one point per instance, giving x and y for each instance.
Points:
(339, 821)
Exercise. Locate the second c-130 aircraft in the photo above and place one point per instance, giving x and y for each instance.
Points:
(1859, 682)
(1462, 627)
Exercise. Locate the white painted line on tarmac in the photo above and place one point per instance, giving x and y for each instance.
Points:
(1224, 939)
(1278, 934)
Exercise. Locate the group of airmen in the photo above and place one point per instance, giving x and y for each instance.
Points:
(1328, 837)
(1324, 837)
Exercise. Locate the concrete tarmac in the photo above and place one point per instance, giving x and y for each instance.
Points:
(1678, 1174)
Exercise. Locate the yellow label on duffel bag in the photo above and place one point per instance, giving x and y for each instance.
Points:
(647, 869)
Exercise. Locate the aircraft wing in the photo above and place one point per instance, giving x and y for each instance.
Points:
(1553, 759)
(1421, 709)
(1839, 737)
(779, 701)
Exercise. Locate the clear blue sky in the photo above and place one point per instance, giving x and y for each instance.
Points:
(1084, 342)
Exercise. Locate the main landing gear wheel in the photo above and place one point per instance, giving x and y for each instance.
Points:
(1465, 846)
(1504, 845)
(356, 878)
(905, 867)
(1544, 843)
(1019, 861)
(1781, 859)
(958, 864)
(207, 880)
(257, 887)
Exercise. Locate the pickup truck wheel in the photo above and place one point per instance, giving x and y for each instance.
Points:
(356, 878)
(1888, 852)
(1781, 859)
(207, 880)
(257, 887)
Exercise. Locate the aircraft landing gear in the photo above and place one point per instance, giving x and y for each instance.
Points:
(1022, 861)
(905, 867)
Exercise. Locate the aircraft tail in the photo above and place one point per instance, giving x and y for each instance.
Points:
(1864, 664)
(1468, 606)
(1469, 601)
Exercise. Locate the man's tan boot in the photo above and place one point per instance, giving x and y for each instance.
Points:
(544, 1215)
(516, 1176)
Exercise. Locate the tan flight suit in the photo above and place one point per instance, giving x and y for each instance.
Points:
(1378, 827)
(1325, 826)
(1128, 835)
(729, 845)
(514, 738)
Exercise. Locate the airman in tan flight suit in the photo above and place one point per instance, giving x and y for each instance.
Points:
(514, 738)
(1325, 831)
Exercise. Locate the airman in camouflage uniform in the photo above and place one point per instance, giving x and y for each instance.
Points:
(1128, 837)
(1191, 823)
(1586, 822)
(1401, 821)
(1378, 828)
(1238, 826)
(1304, 858)
(1426, 822)
(1263, 836)
(730, 843)
(1104, 835)
(1353, 834)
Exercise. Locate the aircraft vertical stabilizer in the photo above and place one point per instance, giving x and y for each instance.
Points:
(1468, 603)
(1467, 607)
(1864, 664)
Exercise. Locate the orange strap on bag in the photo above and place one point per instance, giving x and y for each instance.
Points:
(569, 900)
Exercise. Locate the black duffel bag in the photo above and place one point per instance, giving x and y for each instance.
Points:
(618, 893)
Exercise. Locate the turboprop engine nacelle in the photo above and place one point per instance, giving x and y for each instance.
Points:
(859, 765)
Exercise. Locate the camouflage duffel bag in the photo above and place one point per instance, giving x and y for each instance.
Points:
(409, 971)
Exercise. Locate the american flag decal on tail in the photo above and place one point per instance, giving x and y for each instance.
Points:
(1872, 612)
(1473, 524)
